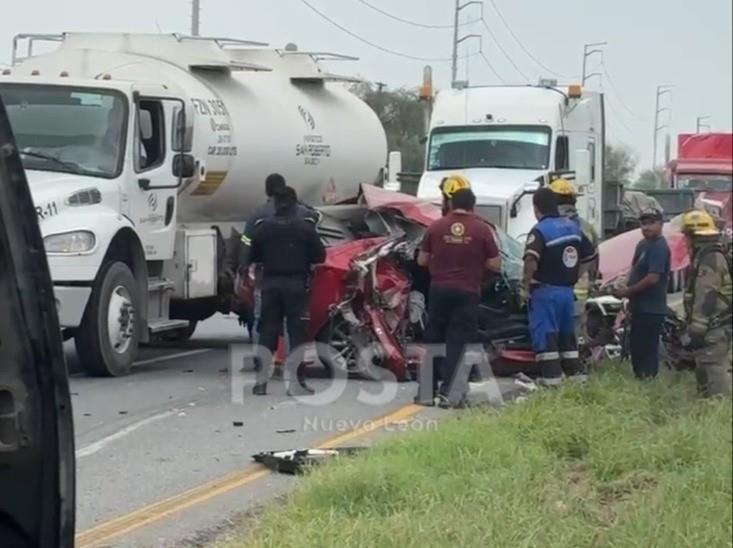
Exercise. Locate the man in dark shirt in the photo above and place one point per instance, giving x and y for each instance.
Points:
(274, 186)
(286, 246)
(647, 293)
(457, 249)
(556, 249)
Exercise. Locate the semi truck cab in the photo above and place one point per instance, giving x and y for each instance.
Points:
(510, 140)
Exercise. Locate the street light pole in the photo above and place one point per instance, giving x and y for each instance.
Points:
(456, 40)
(587, 53)
(661, 90)
(195, 21)
(700, 125)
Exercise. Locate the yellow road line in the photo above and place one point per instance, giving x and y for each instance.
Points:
(203, 493)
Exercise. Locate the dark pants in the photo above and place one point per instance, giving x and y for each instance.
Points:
(285, 299)
(646, 331)
(453, 322)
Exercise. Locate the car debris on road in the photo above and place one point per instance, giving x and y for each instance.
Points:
(298, 461)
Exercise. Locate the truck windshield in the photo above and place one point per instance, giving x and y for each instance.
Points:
(720, 182)
(509, 147)
(67, 129)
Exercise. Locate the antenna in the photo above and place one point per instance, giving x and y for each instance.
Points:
(195, 14)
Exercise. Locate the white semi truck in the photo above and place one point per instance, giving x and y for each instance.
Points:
(509, 140)
(142, 151)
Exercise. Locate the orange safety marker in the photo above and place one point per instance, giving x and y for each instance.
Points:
(280, 352)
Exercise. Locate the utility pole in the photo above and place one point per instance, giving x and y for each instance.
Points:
(700, 125)
(661, 90)
(456, 40)
(195, 21)
(587, 52)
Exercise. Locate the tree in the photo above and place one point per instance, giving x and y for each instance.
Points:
(650, 179)
(620, 164)
(403, 117)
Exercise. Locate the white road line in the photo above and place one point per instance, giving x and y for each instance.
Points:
(173, 356)
(97, 446)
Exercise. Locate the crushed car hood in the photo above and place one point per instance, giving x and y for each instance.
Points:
(413, 209)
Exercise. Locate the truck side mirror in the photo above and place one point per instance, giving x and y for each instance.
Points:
(184, 166)
(529, 188)
(582, 170)
(394, 168)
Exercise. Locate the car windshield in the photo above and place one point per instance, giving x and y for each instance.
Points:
(509, 147)
(719, 182)
(67, 129)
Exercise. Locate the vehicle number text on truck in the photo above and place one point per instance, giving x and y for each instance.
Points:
(49, 210)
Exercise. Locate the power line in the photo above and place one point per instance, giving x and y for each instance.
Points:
(488, 63)
(618, 93)
(521, 44)
(372, 44)
(408, 21)
(619, 119)
(503, 51)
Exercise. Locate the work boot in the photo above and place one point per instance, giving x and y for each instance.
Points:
(260, 389)
(550, 382)
(300, 389)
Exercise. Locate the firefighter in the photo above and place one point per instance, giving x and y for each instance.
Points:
(449, 186)
(556, 249)
(458, 249)
(708, 300)
(286, 246)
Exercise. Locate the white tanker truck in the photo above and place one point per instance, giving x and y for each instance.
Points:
(142, 150)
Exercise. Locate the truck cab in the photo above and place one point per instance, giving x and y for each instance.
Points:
(510, 140)
(104, 160)
(704, 166)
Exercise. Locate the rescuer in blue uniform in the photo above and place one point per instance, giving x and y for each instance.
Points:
(556, 249)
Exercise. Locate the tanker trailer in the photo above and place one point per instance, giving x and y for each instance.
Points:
(143, 150)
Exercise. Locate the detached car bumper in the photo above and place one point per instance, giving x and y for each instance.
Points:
(71, 303)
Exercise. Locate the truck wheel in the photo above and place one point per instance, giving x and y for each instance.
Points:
(180, 335)
(108, 338)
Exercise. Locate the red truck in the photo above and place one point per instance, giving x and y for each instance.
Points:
(704, 164)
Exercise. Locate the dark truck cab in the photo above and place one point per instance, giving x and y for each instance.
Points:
(37, 481)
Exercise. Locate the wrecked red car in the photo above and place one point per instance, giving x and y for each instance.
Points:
(369, 297)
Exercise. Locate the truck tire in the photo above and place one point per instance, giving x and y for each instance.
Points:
(108, 338)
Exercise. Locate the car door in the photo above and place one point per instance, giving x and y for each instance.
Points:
(36, 435)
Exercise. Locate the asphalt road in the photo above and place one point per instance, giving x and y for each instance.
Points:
(174, 426)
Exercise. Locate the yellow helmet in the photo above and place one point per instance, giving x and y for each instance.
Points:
(452, 184)
(562, 187)
(699, 223)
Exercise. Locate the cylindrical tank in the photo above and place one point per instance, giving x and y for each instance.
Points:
(247, 122)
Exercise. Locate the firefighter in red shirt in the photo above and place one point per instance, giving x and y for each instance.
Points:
(458, 249)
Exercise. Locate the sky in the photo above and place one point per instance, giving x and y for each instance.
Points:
(650, 42)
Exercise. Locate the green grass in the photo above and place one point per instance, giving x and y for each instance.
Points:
(613, 463)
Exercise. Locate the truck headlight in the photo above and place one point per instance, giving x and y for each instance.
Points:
(70, 242)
